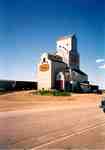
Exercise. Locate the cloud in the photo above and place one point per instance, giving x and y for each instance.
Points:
(100, 60)
(102, 66)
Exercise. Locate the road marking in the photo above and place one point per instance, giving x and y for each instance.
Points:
(80, 131)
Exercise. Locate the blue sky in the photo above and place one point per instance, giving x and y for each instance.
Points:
(30, 27)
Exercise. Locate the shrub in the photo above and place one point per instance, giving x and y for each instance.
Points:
(53, 93)
(45, 92)
(61, 93)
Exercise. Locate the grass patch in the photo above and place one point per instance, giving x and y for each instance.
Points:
(52, 93)
(45, 93)
(61, 93)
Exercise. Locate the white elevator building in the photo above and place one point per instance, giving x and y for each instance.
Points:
(58, 70)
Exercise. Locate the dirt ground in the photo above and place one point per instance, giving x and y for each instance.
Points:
(26, 99)
(35, 122)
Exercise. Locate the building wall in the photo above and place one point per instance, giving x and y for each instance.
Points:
(64, 45)
(44, 76)
(60, 81)
(78, 77)
(56, 68)
(64, 42)
(47, 79)
(74, 60)
(67, 49)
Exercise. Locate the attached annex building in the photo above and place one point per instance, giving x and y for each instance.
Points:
(61, 70)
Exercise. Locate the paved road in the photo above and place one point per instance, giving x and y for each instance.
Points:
(53, 127)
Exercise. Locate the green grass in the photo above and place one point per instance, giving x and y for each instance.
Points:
(52, 93)
(61, 93)
(45, 93)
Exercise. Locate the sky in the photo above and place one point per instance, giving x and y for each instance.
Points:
(30, 27)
